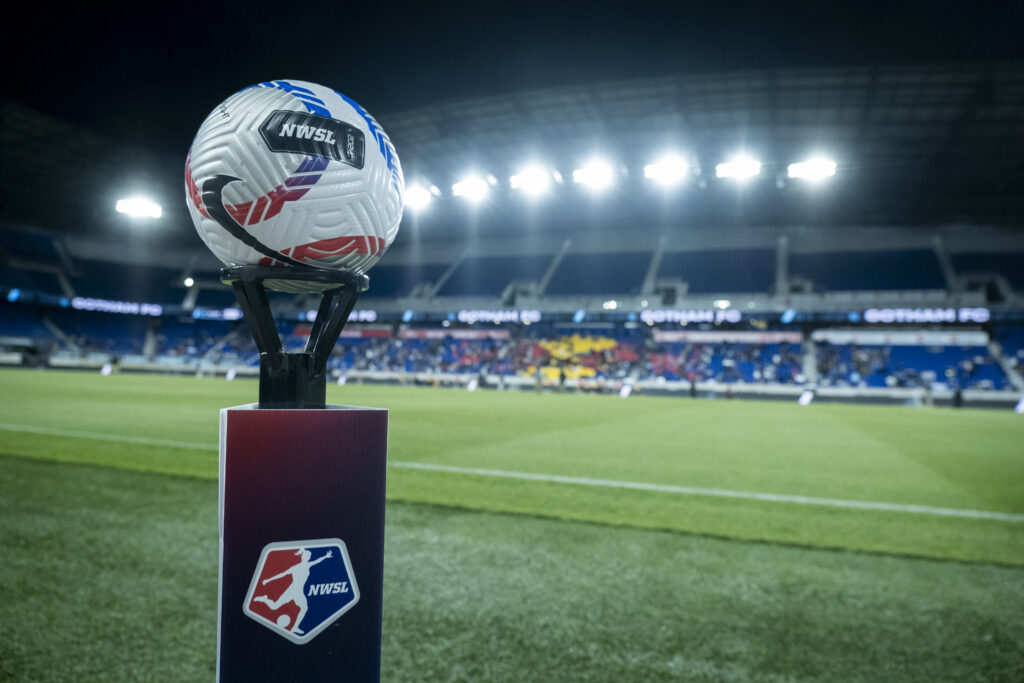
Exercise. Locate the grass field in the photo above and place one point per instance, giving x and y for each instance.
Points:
(555, 537)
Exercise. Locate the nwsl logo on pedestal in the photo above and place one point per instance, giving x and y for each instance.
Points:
(301, 587)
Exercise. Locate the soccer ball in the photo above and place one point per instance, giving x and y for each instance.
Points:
(290, 173)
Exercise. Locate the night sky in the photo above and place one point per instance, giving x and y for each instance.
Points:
(147, 76)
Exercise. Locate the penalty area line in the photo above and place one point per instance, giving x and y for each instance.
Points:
(577, 481)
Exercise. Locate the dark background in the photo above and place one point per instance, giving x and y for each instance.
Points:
(148, 75)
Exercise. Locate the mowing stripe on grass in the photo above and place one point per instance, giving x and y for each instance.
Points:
(578, 481)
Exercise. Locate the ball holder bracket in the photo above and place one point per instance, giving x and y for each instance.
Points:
(298, 474)
(294, 380)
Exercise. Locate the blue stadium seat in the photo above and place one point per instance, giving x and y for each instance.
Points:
(397, 281)
(29, 245)
(19, 320)
(1010, 265)
(733, 270)
(735, 362)
(1012, 341)
(30, 280)
(489, 275)
(105, 332)
(216, 298)
(881, 270)
(908, 366)
(124, 282)
(600, 274)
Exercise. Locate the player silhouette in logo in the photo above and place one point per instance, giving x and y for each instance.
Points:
(296, 591)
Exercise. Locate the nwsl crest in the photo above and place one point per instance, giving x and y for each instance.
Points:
(301, 587)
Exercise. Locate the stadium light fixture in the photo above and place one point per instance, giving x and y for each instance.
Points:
(417, 197)
(597, 175)
(610, 305)
(472, 187)
(740, 168)
(813, 169)
(188, 282)
(533, 180)
(669, 170)
(139, 207)
(722, 304)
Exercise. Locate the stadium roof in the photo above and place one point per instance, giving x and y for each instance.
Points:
(919, 144)
(915, 145)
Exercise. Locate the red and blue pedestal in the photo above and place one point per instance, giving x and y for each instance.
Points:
(301, 543)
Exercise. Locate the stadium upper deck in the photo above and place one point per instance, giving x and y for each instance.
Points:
(924, 211)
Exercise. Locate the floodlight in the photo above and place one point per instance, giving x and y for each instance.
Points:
(188, 282)
(813, 169)
(474, 188)
(139, 207)
(597, 175)
(417, 197)
(668, 170)
(722, 304)
(533, 180)
(610, 305)
(740, 167)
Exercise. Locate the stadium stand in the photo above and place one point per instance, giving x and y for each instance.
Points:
(1010, 266)
(730, 363)
(599, 274)
(713, 272)
(490, 275)
(398, 281)
(1011, 340)
(869, 270)
(91, 331)
(33, 245)
(637, 261)
(23, 321)
(126, 282)
(216, 298)
(33, 280)
(909, 366)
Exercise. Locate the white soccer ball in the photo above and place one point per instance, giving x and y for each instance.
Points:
(290, 173)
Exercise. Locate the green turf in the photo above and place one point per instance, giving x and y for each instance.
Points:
(110, 575)
(967, 459)
(108, 564)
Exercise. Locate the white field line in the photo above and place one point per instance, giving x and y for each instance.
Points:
(577, 481)
(719, 493)
(121, 438)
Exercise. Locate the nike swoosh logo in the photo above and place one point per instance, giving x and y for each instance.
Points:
(213, 190)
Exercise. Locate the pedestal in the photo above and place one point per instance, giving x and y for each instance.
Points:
(301, 543)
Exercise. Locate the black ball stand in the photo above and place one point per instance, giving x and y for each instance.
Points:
(294, 380)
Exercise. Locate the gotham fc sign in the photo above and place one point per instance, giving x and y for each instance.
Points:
(301, 133)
